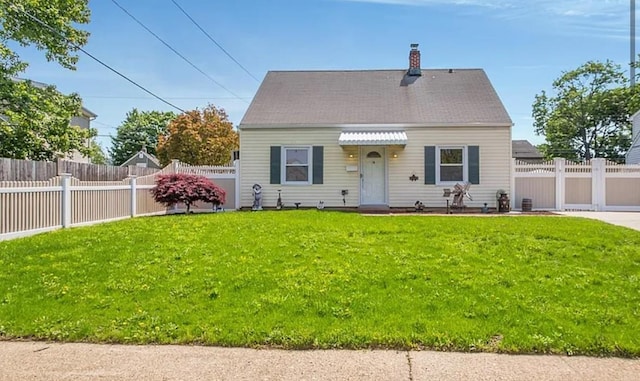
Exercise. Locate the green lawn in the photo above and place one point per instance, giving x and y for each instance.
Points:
(309, 279)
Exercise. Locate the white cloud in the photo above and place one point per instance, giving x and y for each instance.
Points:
(479, 3)
(608, 16)
(570, 8)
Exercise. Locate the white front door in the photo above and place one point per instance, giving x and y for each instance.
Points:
(372, 176)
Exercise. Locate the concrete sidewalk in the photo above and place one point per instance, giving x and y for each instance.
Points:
(627, 219)
(47, 361)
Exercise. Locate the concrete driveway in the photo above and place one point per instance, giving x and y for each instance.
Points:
(627, 219)
(47, 361)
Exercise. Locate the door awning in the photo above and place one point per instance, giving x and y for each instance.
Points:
(377, 138)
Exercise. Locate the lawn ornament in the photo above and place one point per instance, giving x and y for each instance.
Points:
(320, 205)
(257, 197)
(279, 202)
(418, 206)
(459, 192)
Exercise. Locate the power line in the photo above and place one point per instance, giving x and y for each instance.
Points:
(57, 33)
(214, 41)
(104, 125)
(175, 51)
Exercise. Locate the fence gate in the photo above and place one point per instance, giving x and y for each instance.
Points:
(597, 185)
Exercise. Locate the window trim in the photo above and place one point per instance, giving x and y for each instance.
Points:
(465, 164)
(283, 165)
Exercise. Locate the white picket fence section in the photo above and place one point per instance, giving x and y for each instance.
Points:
(598, 185)
(31, 207)
(225, 177)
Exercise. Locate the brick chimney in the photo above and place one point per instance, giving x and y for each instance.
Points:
(414, 61)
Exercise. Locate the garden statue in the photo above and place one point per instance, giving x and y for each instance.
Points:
(459, 193)
(257, 197)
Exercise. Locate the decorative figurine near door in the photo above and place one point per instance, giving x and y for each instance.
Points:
(257, 197)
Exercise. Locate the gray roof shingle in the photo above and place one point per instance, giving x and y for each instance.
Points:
(523, 149)
(463, 96)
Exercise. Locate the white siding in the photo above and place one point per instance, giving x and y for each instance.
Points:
(255, 168)
(495, 166)
(82, 122)
(633, 156)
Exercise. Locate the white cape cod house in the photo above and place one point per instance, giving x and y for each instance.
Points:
(382, 138)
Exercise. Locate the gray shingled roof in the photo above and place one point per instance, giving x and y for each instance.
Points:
(464, 96)
(523, 149)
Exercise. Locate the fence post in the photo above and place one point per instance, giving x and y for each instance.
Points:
(59, 169)
(513, 190)
(598, 180)
(134, 194)
(66, 199)
(236, 164)
(560, 182)
(174, 165)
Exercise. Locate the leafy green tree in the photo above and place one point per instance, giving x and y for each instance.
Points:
(61, 15)
(139, 129)
(96, 153)
(588, 114)
(199, 137)
(34, 120)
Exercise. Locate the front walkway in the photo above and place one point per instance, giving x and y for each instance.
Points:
(627, 219)
(47, 361)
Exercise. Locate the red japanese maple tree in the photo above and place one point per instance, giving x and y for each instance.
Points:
(187, 189)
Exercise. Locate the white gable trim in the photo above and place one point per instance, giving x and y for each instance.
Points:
(135, 156)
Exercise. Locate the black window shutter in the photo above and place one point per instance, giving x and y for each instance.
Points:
(275, 164)
(318, 164)
(474, 164)
(430, 165)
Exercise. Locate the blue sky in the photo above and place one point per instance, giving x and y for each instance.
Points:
(522, 45)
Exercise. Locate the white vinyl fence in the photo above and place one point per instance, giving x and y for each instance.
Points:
(31, 207)
(598, 185)
(225, 177)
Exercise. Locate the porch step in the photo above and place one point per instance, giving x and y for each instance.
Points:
(374, 209)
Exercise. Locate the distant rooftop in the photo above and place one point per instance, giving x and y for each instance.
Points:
(524, 150)
(41, 85)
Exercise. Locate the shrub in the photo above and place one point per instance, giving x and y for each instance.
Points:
(187, 189)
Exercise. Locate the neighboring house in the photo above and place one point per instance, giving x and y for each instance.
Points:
(83, 121)
(143, 159)
(525, 151)
(383, 138)
(633, 155)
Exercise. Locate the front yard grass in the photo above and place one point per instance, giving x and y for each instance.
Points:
(309, 279)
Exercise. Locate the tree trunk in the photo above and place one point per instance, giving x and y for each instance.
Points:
(587, 146)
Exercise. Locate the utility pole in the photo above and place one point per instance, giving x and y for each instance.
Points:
(633, 42)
